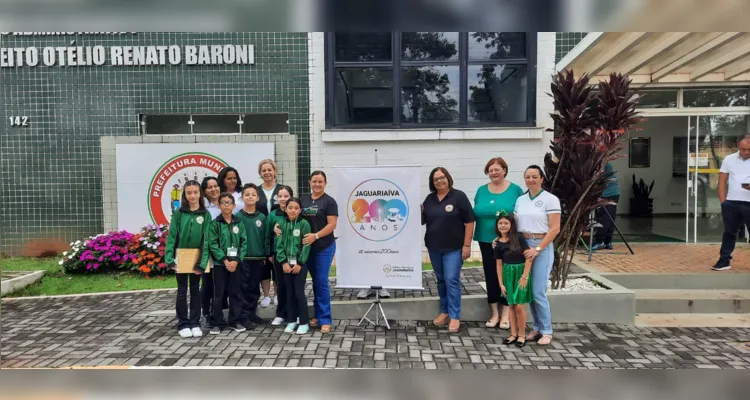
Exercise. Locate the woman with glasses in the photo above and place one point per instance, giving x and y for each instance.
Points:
(449, 218)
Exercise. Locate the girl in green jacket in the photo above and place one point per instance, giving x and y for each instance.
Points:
(292, 255)
(277, 215)
(187, 230)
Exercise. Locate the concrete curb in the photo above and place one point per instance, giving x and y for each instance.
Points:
(709, 280)
(616, 305)
(12, 285)
(62, 296)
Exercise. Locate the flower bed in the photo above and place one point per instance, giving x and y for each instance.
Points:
(146, 253)
(142, 252)
(100, 253)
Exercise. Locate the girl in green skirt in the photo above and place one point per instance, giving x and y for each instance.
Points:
(513, 270)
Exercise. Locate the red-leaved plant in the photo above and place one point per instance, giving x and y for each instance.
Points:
(589, 129)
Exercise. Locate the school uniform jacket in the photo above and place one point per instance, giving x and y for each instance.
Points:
(188, 230)
(222, 235)
(275, 217)
(289, 244)
(257, 235)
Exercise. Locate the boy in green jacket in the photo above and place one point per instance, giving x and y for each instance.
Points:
(227, 242)
(253, 262)
(292, 255)
(188, 228)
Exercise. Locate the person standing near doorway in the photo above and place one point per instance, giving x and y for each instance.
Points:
(611, 193)
(734, 195)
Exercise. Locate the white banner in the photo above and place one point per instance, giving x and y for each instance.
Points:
(151, 176)
(379, 231)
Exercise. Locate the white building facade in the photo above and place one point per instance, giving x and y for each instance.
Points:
(352, 123)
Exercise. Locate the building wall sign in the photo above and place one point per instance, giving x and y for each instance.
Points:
(80, 56)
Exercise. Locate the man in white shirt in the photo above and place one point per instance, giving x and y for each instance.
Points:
(734, 195)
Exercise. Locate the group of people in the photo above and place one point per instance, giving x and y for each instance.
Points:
(248, 235)
(515, 231)
(252, 234)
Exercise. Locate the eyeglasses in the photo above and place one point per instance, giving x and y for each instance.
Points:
(226, 203)
(439, 179)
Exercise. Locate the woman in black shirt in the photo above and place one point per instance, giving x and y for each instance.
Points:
(321, 211)
(449, 218)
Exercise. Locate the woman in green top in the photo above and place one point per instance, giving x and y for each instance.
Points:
(498, 196)
(293, 256)
(187, 230)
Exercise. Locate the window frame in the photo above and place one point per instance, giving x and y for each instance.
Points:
(397, 63)
(241, 117)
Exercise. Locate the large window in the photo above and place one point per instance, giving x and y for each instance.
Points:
(430, 79)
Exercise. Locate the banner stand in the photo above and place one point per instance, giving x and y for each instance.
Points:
(379, 232)
(378, 306)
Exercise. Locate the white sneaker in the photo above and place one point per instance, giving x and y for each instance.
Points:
(384, 293)
(278, 321)
(364, 293)
(197, 332)
(186, 333)
(265, 302)
(276, 300)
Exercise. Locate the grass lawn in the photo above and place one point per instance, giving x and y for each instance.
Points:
(55, 282)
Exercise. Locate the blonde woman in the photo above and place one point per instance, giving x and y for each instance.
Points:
(268, 201)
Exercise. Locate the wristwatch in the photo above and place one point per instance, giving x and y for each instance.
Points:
(537, 248)
(316, 236)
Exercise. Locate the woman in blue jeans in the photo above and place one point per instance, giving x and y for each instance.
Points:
(538, 215)
(321, 211)
(449, 218)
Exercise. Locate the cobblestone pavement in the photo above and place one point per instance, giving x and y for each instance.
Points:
(660, 258)
(116, 330)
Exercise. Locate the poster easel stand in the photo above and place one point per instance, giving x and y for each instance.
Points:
(378, 306)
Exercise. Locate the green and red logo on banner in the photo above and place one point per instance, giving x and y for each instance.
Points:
(166, 184)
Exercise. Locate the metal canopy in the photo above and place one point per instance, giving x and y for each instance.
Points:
(674, 58)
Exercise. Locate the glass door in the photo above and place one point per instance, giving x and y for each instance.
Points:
(710, 139)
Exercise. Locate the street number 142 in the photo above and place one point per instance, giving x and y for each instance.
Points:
(19, 121)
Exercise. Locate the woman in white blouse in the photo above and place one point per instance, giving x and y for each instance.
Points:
(538, 215)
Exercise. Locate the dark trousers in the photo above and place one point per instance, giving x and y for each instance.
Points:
(278, 275)
(269, 273)
(207, 295)
(296, 302)
(604, 234)
(250, 272)
(734, 214)
(183, 320)
(494, 294)
(226, 282)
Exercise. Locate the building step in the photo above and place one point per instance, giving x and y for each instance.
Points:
(681, 301)
(696, 320)
(711, 280)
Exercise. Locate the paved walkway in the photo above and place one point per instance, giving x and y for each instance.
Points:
(665, 258)
(116, 330)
